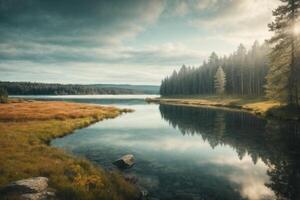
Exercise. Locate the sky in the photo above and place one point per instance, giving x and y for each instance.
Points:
(122, 41)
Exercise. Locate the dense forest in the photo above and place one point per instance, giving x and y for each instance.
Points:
(245, 74)
(28, 88)
(270, 69)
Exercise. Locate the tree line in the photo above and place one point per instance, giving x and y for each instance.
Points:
(245, 74)
(28, 88)
(271, 69)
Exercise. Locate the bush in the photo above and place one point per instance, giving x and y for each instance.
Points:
(3, 96)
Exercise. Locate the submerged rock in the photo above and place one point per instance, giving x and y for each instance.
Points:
(29, 189)
(144, 192)
(125, 162)
(131, 178)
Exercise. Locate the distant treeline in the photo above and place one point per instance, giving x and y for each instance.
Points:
(28, 88)
(245, 74)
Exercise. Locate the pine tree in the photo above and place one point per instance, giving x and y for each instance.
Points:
(241, 55)
(220, 81)
(245, 74)
(282, 79)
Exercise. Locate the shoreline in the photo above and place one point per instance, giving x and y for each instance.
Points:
(259, 107)
(25, 151)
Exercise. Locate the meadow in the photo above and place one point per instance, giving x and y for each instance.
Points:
(27, 127)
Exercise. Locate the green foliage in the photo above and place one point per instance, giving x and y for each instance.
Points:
(245, 73)
(28, 88)
(3, 96)
(282, 79)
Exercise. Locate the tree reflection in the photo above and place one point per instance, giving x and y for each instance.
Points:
(284, 157)
(276, 143)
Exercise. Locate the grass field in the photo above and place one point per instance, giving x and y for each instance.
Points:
(27, 127)
(258, 106)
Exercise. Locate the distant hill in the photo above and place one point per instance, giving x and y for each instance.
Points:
(32, 88)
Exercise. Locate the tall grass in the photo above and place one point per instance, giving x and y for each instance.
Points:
(25, 130)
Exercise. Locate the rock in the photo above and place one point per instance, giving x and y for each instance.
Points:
(144, 194)
(31, 185)
(125, 162)
(29, 189)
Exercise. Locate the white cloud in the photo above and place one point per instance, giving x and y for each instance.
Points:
(181, 9)
(251, 177)
(205, 4)
(168, 54)
(107, 36)
(238, 21)
(82, 72)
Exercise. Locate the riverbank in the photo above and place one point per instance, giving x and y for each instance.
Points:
(258, 106)
(27, 127)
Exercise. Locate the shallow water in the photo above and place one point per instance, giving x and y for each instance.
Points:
(194, 153)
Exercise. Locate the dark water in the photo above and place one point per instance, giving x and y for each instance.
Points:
(195, 153)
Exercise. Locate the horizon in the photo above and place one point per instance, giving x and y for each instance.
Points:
(122, 42)
(123, 84)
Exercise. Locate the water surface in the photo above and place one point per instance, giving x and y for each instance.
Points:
(194, 153)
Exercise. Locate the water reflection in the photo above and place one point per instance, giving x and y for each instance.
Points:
(194, 153)
(275, 143)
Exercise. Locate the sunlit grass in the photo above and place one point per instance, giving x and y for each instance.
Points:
(257, 105)
(261, 107)
(36, 110)
(26, 129)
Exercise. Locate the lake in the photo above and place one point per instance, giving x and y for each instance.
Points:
(189, 153)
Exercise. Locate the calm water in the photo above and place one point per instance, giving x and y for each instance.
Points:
(194, 153)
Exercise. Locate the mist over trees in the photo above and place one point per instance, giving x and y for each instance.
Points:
(271, 69)
(283, 77)
(245, 72)
(220, 81)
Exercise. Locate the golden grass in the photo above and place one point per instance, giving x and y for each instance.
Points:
(259, 106)
(27, 127)
(39, 110)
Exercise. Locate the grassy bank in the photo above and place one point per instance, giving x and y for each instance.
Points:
(258, 106)
(26, 130)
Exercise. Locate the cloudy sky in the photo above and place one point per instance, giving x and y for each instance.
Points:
(121, 41)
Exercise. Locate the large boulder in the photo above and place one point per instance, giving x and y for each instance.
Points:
(29, 189)
(125, 161)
